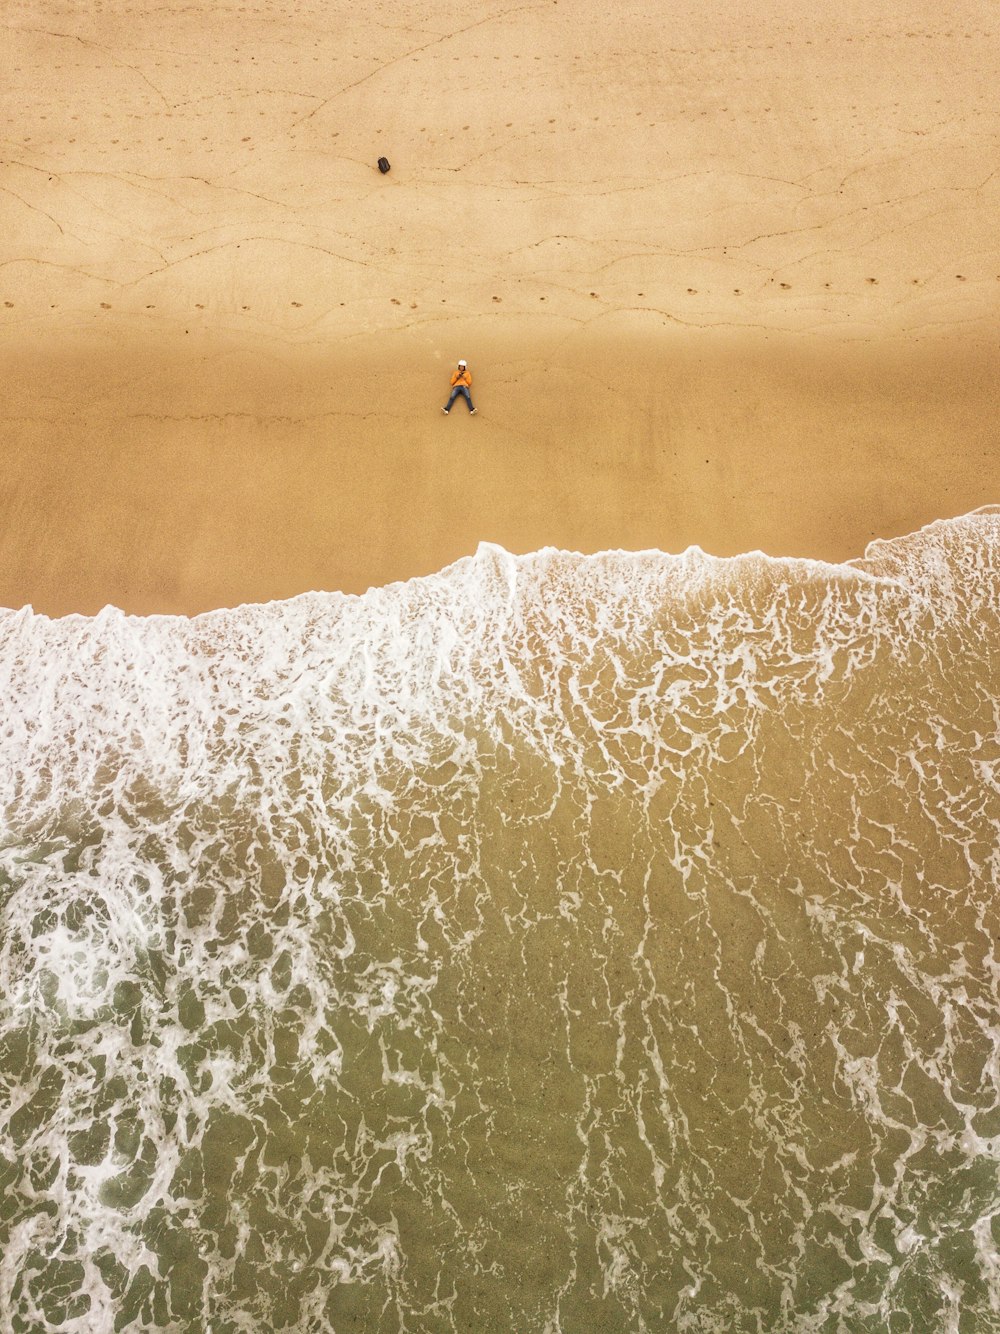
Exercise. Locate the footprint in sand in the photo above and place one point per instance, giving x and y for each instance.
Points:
(9, 305)
(692, 291)
(874, 281)
(296, 303)
(786, 286)
(496, 298)
(395, 301)
(105, 305)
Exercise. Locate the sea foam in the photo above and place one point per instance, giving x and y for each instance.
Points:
(558, 942)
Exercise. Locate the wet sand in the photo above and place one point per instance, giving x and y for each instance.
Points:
(189, 478)
(725, 280)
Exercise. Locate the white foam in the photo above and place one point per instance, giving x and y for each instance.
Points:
(325, 880)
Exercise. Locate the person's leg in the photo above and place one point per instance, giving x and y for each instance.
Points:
(468, 397)
(454, 395)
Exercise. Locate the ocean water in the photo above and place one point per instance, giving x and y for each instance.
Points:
(556, 943)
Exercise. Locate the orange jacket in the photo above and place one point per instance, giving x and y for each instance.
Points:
(462, 376)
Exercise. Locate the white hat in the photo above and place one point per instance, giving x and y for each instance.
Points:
(462, 363)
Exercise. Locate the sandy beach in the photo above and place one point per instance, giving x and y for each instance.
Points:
(546, 944)
(725, 279)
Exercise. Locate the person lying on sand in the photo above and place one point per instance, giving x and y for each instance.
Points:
(461, 383)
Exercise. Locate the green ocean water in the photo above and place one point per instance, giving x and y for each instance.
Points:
(554, 944)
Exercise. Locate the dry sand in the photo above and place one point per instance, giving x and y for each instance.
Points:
(724, 276)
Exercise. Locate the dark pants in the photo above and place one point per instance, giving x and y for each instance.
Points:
(460, 389)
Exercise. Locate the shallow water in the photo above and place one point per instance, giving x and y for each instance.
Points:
(553, 944)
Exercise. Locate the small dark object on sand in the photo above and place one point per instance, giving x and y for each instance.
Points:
(383, 165)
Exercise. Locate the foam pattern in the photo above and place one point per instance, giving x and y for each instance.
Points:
(557, 943)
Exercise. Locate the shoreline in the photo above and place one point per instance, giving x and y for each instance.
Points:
(194, 473)
(808, 563)
(724, 277)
